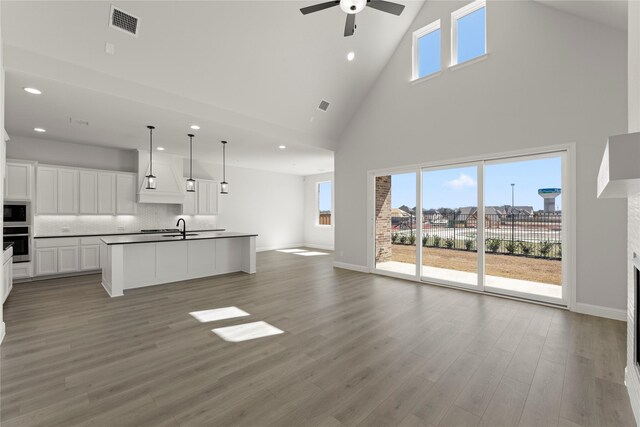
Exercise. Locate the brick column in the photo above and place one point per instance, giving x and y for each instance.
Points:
(383, 219)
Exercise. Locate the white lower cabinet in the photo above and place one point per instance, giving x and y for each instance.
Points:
(68, 259)
(46, 261)
(7, 271)
(90, 257)
(66, 255)
(21, 270)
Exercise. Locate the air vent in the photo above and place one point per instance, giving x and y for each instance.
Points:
(324, 105)
(123, 21)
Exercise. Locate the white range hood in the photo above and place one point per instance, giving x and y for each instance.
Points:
(170, 184)
(619, 174)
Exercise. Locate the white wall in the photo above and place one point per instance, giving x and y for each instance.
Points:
(632, 379)
(2, 164)
(317, 236)
(69, 154)
(634, 66)
(266, 203)
(551, 78)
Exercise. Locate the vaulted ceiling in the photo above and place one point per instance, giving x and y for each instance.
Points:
(252, 72)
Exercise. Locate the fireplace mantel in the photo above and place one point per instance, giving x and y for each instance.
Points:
(619, 174)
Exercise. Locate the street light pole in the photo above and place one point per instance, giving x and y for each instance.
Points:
(513, 186)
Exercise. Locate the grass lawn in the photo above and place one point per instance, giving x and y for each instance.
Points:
(515, 267)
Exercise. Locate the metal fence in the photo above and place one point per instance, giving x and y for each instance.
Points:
(534, 235)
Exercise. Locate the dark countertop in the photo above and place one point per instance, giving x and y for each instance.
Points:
(57, 236)
(133, 239)
(6, 245)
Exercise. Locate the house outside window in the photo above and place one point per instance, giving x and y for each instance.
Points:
(468, 32)
(426, 50)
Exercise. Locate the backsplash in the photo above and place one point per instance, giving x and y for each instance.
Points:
(148, 216)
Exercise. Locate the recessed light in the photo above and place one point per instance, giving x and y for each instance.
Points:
(39, 130)
(160, 148)
(350, 56)
(282, 147)
(33, 90)
(195, 127)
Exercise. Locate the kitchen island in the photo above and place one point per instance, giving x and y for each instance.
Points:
(135, 261)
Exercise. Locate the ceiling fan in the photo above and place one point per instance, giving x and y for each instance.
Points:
(351, 7)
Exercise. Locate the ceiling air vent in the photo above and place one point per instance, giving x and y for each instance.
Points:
(123, 21)
(324, 105)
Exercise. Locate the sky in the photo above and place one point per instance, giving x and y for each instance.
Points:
(471, 43)
(457, 187)
(324, 196)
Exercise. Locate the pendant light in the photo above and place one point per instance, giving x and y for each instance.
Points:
(224, 185)
(151, 179)
(191, 183)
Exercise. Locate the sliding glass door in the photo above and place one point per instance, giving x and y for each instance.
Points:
(523, 227)
(450, 225)
(496, 225)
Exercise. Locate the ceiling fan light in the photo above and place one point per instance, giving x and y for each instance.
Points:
(352, 6)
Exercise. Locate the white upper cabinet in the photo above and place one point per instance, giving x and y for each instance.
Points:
(204, 201)
(18, 181)
(190, 205)
(106, 193)
(67, 191)
(88, 192)
(126, 194)
(84, 191)
(47, 190)
(207, 197)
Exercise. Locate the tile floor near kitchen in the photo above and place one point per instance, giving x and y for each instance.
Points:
(354, 349)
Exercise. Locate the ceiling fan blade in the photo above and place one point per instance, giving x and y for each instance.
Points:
(350, 25)
(386, 6)
(318, 7)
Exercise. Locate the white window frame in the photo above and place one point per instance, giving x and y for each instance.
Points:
(318, 204)
(568, 153)
(434, 26)
(461, 13)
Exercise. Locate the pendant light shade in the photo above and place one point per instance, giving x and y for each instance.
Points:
(224, 185)
(151, 179)
(191, 183)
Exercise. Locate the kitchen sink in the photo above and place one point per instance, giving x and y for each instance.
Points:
(179, 235)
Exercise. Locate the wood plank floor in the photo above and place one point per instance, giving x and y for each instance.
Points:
(357, 350)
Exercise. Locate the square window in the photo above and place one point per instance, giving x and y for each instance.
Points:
(426, 50)
(324, 203)
(468, 32)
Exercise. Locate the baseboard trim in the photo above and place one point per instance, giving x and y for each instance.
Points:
(321, 247)
(600, 311)
(2, 330)
(353, 267)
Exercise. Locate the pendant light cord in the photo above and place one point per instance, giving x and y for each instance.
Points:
(224, 162)
(150, 151)
(190, 156)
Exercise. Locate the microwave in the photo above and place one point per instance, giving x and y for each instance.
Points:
(17, 213)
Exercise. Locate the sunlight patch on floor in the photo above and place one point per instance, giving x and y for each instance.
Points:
(248, 331)
(218, 314)
(311, 253)
(291, 251)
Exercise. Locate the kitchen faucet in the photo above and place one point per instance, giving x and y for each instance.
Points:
(184, 227)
